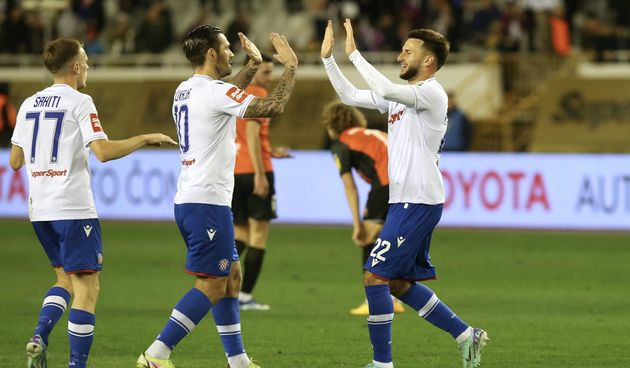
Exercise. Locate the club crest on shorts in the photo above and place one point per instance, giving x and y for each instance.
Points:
(224, 264)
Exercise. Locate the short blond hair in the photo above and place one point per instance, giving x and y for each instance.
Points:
(339, 117)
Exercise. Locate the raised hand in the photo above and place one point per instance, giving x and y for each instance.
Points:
(157, 139)
(350, 46)
(329, 41)
(251, 49)
(284, 52)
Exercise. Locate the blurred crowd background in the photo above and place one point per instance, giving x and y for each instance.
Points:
(157, 26)
(523, 75)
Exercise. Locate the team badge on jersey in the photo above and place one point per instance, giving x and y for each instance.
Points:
(237, 94)
(96, 124)
(224, 264)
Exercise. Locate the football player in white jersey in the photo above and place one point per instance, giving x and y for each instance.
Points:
(55, 129)
(205, 111)
(416, 126)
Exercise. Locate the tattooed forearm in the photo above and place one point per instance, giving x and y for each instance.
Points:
(274, 104)
(245, 75)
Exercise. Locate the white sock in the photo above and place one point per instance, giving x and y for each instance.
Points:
(464, 335)
(239, 361)
(244, 297)
(159, 350)
(383, 365)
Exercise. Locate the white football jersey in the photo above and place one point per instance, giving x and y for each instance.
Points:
(414, 144)
(54, 128)
(205, 112)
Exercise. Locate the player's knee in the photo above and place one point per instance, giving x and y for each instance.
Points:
(216, 295)
(258, 245)
(234, 284)
(214, 289)
(369, 279)
(398, 288)
(66, 284)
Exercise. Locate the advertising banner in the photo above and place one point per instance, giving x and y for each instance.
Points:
(483, 190)
(584, 115)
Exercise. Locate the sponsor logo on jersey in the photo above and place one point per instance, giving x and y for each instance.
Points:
(224, 264)
(400, 240)
(237, 94)
(88, 230)
(188, 162)
(211, 233)
(395, 116)
(50, 173)
(99, 258)
(96, 124)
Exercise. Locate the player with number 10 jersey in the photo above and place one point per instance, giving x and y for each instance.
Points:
(204, 111)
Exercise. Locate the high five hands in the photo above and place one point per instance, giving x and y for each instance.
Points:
(251, 49)
(350, 46)
(284, 52)
(329, 40)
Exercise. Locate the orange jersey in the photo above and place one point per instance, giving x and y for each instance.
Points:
(244, 163)
(366, 151)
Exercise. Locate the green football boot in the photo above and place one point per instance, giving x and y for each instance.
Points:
(472, 347)
(147, 361)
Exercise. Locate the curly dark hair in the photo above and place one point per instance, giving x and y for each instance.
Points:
(339, 117)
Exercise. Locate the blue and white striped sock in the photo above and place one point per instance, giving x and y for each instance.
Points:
(80, 333)
(55, 304)
(228, 320)
(429, 307)
(187, 314)
(380, 323)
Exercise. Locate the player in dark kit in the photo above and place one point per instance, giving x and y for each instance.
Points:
(365, 150)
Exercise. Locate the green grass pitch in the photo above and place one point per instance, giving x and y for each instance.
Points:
(546, 299)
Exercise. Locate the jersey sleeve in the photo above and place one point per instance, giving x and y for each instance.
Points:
(18, 136)
(89, 124)
(341, 153)
(348, 93)
(426, 95)
(230, 99)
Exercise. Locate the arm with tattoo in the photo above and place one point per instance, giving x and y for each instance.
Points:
(273, 104)
(245, 75)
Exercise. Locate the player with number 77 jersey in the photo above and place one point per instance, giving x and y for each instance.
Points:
(55, 129)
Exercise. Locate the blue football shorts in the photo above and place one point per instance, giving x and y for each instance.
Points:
(74, 245)
(209, 235)
(402, 250)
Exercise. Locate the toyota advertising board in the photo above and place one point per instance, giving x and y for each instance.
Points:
(483, 190)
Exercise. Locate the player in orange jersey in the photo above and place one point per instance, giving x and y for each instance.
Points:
(254, 200)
